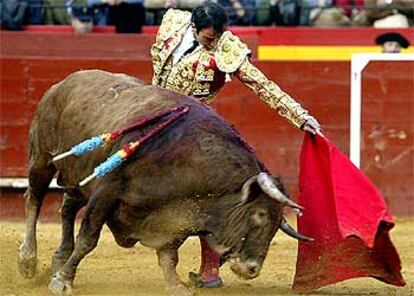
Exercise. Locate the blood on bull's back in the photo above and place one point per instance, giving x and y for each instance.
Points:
(90, 103)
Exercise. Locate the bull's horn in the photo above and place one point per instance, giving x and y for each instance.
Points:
(267, 185)
(286, 228)
(246, 188)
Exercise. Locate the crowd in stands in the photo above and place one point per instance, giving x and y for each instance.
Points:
(128, 16)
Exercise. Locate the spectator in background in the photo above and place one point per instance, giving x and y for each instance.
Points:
(263, 12)
(240, 12)
(350, 7)
(12, 14)
(82, 19)
(100, 11)
(391, 13)
(392, 42)
(165, 4)
(155, 9)
(35, 13)
(128, 16)
(338, 13)
(56, 12)
(60, 12)
(327, 15)
(286, 12)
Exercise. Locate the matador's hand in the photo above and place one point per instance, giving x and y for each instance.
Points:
(312, 125)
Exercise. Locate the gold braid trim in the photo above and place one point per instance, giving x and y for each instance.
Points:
(174, 24)
(271, 94)
(172, 21)
(230, 53)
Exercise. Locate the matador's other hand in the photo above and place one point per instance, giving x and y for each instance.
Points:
(312, 125)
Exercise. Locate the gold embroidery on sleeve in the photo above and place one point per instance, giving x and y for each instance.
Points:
(271, 94)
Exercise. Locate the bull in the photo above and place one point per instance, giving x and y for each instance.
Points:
(196, 178)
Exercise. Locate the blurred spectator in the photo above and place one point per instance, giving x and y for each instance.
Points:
(56, 12)
(155, 9)
(60, 12)
(392, 42)
(285, 13)
(390, 13)
(327, 15)
(306, 7)
(339, 13)
(263, 12)
(128, 16)
(82, 19)
(395, 20)
(35, 13)
(12, 14)
(350, 7)
(240, 12)
(100, 11)
(165, 4)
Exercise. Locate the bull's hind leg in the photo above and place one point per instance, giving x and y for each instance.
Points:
(40, 176)
(168, 259)
(97, 210)
(70, 207)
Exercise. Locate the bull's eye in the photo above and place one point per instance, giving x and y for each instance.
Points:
(259, 217)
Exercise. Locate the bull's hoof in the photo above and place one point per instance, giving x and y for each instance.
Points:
(27, 265)
(180, 290)
(198, 283)
(58, 260)
(59, 286)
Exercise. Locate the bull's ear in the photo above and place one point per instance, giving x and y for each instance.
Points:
(247, 192)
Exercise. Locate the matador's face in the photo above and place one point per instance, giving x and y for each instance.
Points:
(208, 38)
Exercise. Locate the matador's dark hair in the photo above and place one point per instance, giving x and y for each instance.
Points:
(209, 14)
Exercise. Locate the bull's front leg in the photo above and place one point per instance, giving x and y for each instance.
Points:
(168, 259)
(96, 212)
(70, 207)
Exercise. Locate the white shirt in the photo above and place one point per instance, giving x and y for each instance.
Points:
(185, 44)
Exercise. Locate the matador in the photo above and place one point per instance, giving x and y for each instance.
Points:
(195, 55)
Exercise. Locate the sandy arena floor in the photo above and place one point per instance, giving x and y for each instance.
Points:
(112, 270)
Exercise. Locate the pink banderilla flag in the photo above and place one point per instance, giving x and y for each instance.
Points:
(347, 217)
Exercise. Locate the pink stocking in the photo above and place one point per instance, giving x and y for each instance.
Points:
(210, 262)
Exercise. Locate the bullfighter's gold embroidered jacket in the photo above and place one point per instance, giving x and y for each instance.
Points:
(203, 73)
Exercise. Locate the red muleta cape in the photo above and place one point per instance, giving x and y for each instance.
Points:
(347, 217)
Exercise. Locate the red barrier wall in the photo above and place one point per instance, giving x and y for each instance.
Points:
(28, 69)
(270, 35)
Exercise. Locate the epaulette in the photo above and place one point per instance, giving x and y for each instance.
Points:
(173, 21)
(230, 53)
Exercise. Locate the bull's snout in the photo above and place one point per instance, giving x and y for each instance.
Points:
(246, 270)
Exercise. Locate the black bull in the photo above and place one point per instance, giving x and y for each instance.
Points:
(197, 177)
